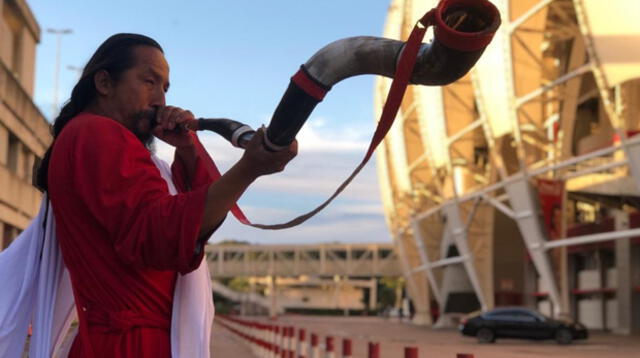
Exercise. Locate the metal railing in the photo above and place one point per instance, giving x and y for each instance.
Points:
(294, 260)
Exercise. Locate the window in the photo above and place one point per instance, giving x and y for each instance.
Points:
(34, 169)
(8, 234)
(525, 317)
(481, 157)
(13, 153)
(512, 315)
(499, 315)
(26, 164)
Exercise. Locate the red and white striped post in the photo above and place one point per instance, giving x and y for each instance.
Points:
(268, 337)
(302, 346)
(315, 350)
(253, 336)
(374, 350)
(263, 340)
(272, 340)
(329, 351)
(410, 352)
(346, 348)
(292, 342)
(276, 342)
(284, 347)
(263, 343)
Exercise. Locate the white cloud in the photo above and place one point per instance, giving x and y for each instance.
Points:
(320, 182)
(316, 230)
(326, 157)
(267, 215)
(223, 153)
(321, 166)
(361, 209)
(317, 137)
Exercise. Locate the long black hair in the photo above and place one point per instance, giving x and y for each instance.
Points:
(115, 56)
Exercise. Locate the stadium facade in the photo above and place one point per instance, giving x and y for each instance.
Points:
(519, 183)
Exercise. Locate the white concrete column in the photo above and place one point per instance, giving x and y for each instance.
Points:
(373, 294)
(273, 289)
(459, 233)
(420, 302)
(624, 291)
(527, 218)
(633, 154)
(424, 260)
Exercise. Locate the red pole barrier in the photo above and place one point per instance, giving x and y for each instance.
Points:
(346, 348)
(329, 347)
(270, 339)
(276, 341)
(284, 349)
(314, 346)
(410, 352)
(464, 355)
(374, 350)
(302, 348)
(292, 345)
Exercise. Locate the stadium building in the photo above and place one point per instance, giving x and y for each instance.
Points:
(519, 183)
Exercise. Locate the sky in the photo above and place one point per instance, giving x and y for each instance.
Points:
(234, 59)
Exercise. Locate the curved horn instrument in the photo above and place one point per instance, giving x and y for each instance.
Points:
(463, 29)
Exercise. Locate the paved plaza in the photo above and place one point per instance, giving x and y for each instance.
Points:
(394, 336)
(224, 344)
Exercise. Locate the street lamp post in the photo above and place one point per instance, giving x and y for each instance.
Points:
(76, 69)
(58, 33)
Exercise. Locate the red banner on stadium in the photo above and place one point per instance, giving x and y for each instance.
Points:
(550, 192)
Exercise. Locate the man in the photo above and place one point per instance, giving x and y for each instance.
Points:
(123, 237)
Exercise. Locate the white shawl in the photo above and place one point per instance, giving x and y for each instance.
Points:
(35, 288)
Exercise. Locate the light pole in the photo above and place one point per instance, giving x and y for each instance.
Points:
(76, 69)
(58, 33)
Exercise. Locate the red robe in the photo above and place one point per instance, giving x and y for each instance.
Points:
(123, 237)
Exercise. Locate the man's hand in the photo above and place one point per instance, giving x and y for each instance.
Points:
(257, 160)
(170, 128)
(226, 191)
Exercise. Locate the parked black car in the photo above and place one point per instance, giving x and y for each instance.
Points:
(519, 322)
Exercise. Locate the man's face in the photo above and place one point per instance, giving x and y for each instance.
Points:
(140, 91)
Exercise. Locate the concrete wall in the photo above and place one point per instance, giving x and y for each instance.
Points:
(19, 119)
(28, 57)
(6, 41)
(345, 297)
(508, 258)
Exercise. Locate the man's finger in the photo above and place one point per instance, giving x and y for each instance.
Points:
(161, 117)
(171, 117)
(184, 116)
(163, 114)
(257, 137)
